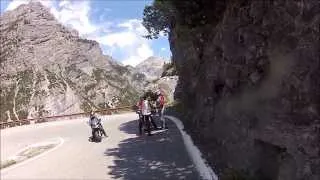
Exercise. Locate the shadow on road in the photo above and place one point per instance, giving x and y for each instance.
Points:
(161, 156)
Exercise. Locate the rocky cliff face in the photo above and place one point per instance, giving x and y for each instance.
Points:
(249, 81)
(46, 69)
(152, 67)
(167, 85)
(157, 75)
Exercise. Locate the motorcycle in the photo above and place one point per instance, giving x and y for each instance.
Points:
(97, 133)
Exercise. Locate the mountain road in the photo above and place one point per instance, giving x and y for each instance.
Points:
(122, 155)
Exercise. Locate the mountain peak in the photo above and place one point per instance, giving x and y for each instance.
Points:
(153, 59)
(48, 70)
(152, 67)
(32, 7)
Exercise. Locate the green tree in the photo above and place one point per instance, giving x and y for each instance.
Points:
(157, 18)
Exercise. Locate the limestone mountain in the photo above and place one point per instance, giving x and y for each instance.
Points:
(152, 67)
(167, 85)
(47, 69)
(159, 75)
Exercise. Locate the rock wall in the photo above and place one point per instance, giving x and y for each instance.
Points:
(249, 83)
(152, 67)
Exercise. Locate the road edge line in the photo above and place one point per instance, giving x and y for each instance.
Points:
(33, 158)
(202, 166)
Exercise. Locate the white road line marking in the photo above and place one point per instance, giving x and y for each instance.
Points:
(203, 168)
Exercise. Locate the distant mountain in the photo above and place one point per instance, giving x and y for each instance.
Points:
(152, 67)
(47, 69)
(167, 84)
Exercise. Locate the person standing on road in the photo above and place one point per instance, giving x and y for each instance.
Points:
(139, 112)
(153, 108)
(160, 109)
(139, 107)
(146, 113)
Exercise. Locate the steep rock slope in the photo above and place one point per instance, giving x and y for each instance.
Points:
(47, 69)
(167, 85)
(152, 67)
(249, 83)
(166, 80)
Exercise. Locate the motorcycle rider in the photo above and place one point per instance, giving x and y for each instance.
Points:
(96, 124)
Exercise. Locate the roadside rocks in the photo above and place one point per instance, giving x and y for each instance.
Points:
(251, 91)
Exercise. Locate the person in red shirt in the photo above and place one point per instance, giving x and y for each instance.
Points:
(139, 104)
(160, 109)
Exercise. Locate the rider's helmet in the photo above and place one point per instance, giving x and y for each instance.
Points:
(158, 92)
(91, 113)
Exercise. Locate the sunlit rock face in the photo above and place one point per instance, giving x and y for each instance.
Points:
(249, 83)
(47, 69)
(152, 67)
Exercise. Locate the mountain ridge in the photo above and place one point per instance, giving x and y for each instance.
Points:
(152, 67)
(47, 69)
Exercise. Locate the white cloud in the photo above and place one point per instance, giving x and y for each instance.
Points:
(120, 39)
(15, 4)
(63, 3)
(144, 51)
(134, 25)
(132, 60)
(163, 49)
(125, 37)
(130, 41)
(76, 15)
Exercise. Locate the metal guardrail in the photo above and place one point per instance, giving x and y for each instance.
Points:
(21, 122)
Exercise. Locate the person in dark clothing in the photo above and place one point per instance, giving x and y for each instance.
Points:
(160, 109)
(153, 113)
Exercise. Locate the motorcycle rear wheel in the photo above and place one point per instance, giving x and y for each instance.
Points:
(97, 136)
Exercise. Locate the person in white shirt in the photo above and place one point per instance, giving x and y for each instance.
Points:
(146, 113)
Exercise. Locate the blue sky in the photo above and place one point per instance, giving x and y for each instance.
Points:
(115, 24)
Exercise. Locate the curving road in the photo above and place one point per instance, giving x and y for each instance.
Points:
(122, 155)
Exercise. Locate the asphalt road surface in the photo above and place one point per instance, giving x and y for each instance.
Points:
(122, 155)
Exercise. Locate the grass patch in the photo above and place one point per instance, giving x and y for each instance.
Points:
(7, 163)
(26, 154)
(34, 151)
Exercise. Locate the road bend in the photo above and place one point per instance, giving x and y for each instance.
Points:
(122, 155)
